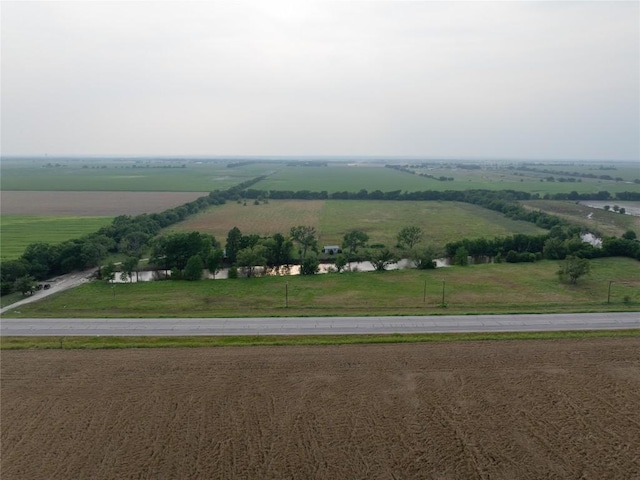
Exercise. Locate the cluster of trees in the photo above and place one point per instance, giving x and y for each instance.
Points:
(558, 244)
(188, 254)
(616, 209)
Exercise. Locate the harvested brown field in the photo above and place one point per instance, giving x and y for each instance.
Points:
(91, 204)
(502, 410)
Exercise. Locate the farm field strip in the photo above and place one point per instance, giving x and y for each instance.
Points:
(16, 232)
(495, 409)
(193, 178)
(91, 204)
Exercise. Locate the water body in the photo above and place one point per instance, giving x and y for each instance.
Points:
(148, 276)
(631, 208)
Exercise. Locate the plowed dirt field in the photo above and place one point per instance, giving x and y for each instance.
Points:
(563, 409)
(92, 203)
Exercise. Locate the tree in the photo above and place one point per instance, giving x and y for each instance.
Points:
(629, 235)
(409, 237)
(622, 210)
(341, 261)
(424, 258)
(305, 236)
(176, 249)
(129, 265)
(278, 251)
(108, 272)
(10, 271)
(310, 266)
(381, 258)
(251, 257)
(214, 261)
(41, 258)
(573, 268)
(134, 243)
(354, 240)
(233, 243)
(25, 284)
(461, 257)
(193, 269)
(554, 249)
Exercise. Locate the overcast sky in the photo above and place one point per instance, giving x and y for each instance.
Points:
(521, 80)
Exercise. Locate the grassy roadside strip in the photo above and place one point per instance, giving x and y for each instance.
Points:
(90, 343)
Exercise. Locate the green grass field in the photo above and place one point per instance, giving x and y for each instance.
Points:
(495, 288)
(441, 222)
(16, 232)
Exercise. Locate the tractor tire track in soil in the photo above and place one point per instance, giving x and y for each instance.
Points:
(478, 410)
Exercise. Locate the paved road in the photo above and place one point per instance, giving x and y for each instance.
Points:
(316, 325)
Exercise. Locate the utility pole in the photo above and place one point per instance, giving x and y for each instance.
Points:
(609, 292)
(424, 292)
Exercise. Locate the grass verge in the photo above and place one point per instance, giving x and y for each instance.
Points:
(84, 343)
(495, 288)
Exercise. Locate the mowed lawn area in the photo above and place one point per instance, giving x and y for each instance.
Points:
(493, 288)
(441, 222)
(18, 231)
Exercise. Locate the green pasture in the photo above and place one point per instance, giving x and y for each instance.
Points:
(493, 288)
(17, 231)
(441, 222)
(607, 223)
(93, 343)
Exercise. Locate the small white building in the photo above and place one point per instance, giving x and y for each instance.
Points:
(331, 249)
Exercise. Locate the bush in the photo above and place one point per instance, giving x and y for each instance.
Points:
(310, 266)
(233, 272)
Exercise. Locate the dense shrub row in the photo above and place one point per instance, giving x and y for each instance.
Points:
(556, 245)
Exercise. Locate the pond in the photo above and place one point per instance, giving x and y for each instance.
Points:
(151, 275)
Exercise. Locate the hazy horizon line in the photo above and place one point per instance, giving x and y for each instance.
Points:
(308, 157)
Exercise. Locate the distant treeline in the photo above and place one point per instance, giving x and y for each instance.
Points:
(131, 235)
(444, 195)
(526, 168)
